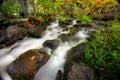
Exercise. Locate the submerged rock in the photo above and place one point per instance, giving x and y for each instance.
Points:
(26, 66)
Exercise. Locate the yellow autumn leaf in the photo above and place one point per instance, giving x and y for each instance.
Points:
(106, 1)
(32, 58)
(80, 2)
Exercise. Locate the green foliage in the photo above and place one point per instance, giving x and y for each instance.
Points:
(94, 7)
(103, 52)
(85, 18)
(62, 7)
(11, 9)
(63, 18)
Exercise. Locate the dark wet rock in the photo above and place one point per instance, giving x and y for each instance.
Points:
(100, 23)
(7, 41)
(76, 25)
(36, 32)
(26, 66)
(66, 23)
(80, 71)
(73, 30)
(59, 75)
(53, 44)
(35, 20)
(79, 21)
(64, 37)
(75, 52)
(9, 32)
(3, 37)
(75, 69)
(79, 26)
(12, 30)
(0, 78)
(18, 32)
(2, 16)
(95, 26)
(63, 25)
(48, 19)
(87, 25)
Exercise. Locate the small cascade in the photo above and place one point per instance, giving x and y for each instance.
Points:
(57, 59)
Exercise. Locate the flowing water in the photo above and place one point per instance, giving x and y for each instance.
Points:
(57, 59)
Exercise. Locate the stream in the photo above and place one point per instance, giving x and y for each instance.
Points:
(58, 56)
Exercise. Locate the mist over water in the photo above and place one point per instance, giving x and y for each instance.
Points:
(57, 59)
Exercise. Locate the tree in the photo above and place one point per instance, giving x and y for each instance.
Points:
(26, 7)
(34, 4)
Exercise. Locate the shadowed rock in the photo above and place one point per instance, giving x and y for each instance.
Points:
(75, 69)
(80, 71)
(59, 75)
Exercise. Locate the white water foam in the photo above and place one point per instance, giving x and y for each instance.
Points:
(9, 54)
(57, 59)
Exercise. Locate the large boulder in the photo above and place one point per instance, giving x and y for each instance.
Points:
(11, 35)
(12, 30)
(80, 71)
(26, 66)
(75, 69)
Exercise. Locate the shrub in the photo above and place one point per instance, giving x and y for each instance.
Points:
(103, 52)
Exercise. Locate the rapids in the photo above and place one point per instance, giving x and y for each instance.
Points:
(57, 59)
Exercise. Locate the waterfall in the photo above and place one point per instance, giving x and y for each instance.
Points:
(57, 59)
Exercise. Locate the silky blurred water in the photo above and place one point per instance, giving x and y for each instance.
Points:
(57, 59)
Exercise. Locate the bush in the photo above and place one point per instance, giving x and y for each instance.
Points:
(11, 9)
(103, 52)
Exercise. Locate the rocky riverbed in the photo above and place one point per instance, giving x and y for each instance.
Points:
(26, 66)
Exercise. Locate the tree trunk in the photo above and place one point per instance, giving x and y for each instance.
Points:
(26, 7)
(35, 5)
(17, 3)
(53, 7)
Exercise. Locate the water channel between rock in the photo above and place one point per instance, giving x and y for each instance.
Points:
(57, 59)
